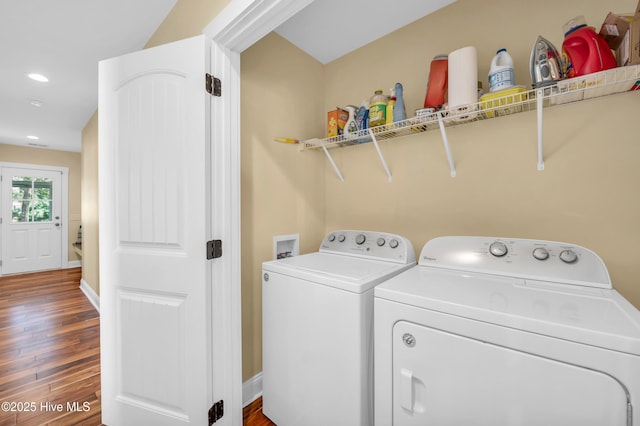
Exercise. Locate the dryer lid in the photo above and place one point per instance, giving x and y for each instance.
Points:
(593, 316)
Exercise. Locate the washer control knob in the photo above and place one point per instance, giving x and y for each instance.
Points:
(341, 238)
(360, 239)
(568, 256)
(540, 253)
(380, 242)
(498, 249)
(394, 243)
(331, 238)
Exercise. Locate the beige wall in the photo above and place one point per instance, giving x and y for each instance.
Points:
(49, 157)
(90, 240)
(585, 195)
(282, 190)
(188, 18)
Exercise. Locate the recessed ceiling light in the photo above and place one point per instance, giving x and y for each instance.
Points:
(38, 77)
(36, 102)
(35, 138)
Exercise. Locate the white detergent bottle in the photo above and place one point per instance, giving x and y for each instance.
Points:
(501, 71)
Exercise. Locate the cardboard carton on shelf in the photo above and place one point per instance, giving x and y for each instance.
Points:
(622, 33)
(336, 120)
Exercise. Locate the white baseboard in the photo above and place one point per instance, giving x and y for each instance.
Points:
(91, 294)
(74, 264)
(252, 389)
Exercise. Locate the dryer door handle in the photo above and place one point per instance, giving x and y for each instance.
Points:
(406, 389)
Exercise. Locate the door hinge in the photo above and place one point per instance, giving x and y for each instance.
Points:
(214, 249)
(216, 412)
(214, 85)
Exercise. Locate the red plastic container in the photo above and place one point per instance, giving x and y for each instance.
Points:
(437, 87)
(584, 52)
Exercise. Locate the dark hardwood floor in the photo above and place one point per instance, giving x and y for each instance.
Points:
(252, 415)
(49, 351)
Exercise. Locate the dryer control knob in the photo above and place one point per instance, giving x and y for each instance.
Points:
(331, 238)
(394, 243)
(341, 238)
(380, 242)
(568, 256)
(540, 253)
(498, 249)
(360, 239)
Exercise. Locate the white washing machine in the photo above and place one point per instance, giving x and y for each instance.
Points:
(317, 328)
(505, 332)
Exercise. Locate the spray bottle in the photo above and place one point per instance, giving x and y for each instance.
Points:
(350, 127)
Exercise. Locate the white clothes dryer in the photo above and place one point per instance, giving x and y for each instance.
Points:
(505, 332)
(317, 328)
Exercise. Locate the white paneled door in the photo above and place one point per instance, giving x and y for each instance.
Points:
(155, 220)
(32, 224)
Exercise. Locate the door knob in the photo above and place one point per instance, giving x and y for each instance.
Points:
(57, 224)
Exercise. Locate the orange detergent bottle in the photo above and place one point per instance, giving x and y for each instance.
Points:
(584, 51)
(437, 87)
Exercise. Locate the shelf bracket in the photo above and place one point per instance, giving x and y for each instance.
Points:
(445, 141)
(333, 163)
(384, 163)
(539, 96)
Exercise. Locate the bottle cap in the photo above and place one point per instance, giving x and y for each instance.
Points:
(574, 24)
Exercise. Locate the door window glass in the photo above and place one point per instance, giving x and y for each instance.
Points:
(32, 199)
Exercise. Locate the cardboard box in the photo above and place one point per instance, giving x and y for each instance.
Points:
(336, 120)
(622, 33)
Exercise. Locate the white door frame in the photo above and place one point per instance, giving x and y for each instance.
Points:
(64, 200)
(236, 28)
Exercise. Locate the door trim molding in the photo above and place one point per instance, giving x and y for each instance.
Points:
(244, 22)
(64, 200)
(236, 28)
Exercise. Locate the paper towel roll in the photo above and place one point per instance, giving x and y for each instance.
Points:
(463, 82)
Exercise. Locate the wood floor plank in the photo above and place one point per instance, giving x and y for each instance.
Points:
(49, 351)
(252, 415)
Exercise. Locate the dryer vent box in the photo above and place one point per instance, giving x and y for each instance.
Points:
(286, 246)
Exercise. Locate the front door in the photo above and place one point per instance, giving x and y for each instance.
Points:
(31, 219)
(155, 220)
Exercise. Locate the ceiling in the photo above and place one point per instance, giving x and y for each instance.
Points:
(65, 39)
(329, 29)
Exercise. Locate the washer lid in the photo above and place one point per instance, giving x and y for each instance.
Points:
(593, 316)
(349, 273)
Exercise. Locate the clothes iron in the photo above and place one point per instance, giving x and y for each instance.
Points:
(545, 68)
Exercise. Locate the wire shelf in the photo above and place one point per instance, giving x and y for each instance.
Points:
(595, 85)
